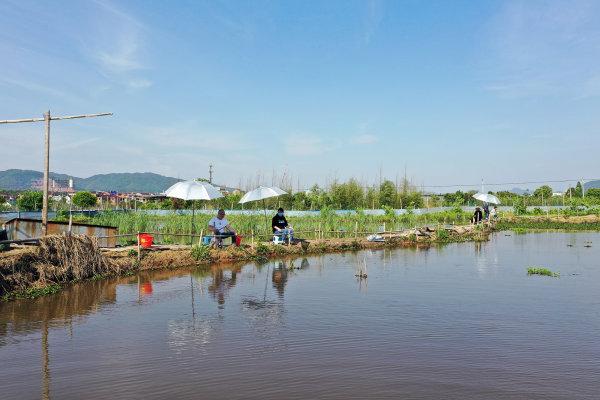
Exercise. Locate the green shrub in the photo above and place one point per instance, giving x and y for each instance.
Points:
(262, 250)
(201, 253)
(519, 207)
(443, 235)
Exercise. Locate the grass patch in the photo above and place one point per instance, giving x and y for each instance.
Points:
(522, 225)
(541, 271)
(442, 235)
(201, 253)
(32, 293)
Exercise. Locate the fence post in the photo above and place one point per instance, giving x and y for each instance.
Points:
(356, 229)
(201, 236)
(139, 257)
(252, 236)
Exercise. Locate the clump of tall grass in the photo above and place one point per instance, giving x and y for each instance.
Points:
(326, 224)
(442, 235)
(201, 253)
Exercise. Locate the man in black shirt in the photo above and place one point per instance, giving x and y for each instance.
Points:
(477, 216)
(280, 225)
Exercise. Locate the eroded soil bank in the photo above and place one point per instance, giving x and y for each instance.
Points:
(59, 260)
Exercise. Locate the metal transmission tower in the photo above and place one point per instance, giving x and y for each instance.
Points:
(47, 118)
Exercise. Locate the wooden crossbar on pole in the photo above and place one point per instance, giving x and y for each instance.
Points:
(47, 118)
(17, 121)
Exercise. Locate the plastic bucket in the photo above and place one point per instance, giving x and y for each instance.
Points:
(206, 240)
(238, 240)
(146, 240)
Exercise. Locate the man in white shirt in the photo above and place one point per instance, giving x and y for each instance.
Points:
(220, 227)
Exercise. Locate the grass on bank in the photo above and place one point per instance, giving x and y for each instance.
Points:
(32, 293)
(327, 224)
(522, 225)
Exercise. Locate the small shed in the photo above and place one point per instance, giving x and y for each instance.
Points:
(26, 228)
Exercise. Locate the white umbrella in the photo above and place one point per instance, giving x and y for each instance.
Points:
(262, 193)
(193, 190)
(487, 198)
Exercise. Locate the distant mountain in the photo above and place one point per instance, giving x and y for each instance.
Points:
(592, 185)
(19, 179)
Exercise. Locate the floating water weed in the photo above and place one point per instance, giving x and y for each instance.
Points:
(541, 271)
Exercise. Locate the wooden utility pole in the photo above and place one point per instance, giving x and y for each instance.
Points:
(47, 118)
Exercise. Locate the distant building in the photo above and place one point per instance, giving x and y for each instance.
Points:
(225, 190)
(55, 185)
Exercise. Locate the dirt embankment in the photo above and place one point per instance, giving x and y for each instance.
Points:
(62, 259)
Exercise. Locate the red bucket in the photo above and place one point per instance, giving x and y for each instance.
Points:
(146, 240)
(238, 240)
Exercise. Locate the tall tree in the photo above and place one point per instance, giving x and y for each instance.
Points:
(30, 201)
(85, 199)
(387, 194)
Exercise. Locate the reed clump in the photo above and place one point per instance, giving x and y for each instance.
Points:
(63, 258)
(58, 259)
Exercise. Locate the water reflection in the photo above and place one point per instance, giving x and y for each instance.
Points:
(279, 278)
(196, 334)
(222, 282)
(429, 319)
(75, 302)
(45, 363)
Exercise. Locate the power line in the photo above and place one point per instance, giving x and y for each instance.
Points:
(513, 183)
(492, 184)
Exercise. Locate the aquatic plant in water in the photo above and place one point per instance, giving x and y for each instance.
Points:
(541, 271)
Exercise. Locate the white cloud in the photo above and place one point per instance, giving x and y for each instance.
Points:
(544, 48)
(75, 144)
(373, 18)
(366, 138)
(140, 83)
(119, 51)
(305, 145)
(38, 88)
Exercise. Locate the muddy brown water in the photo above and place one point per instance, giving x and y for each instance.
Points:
(462, 321)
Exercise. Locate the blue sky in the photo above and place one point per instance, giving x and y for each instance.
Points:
(454, 91)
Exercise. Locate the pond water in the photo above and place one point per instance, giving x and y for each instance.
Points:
(463, 321)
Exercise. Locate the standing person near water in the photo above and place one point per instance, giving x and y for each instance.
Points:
(477, 216)
(493, 214)
(486, 210)
(280, 225)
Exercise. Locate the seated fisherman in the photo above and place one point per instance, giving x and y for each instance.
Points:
(280, 225)
(220, 227)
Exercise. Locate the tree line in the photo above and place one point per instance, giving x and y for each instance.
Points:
(349, 195)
